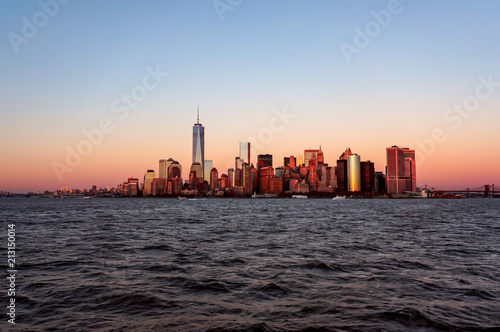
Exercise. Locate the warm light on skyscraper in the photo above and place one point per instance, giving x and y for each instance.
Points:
(354, 172)
(245, 152)
(199, 144)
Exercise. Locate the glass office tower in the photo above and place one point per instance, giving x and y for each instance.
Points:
(199, 143)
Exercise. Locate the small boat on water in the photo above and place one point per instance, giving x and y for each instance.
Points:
(338, 197)
(299, 196)
(180, 197)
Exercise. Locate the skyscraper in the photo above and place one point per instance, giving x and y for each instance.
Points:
(164, 164)
(199, 144)
(354, 173)
(410, 170)
(148, 180)
(367, 176)
(310, 154)
(245, 152)
(208, 164)
(214, 178)
(264, 160)
(395, 171)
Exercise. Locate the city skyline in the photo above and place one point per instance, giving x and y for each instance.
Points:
(285, 77)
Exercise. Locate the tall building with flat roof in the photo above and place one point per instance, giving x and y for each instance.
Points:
(410, 170)
(245, 152)
(395, 170)
(199, 144)
(264, 160)
(214, 179)
(310, 154)
(195, 175)
(208, 165)
(367, 176)
(354, 172)
(148, 180)
(341, 173)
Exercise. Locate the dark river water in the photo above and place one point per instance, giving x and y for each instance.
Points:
(254, 264)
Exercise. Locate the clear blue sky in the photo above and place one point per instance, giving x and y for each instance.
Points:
(263, 55)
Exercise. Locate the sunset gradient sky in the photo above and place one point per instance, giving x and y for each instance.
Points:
(263, 57)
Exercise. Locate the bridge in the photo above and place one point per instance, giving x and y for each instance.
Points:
(488, 190)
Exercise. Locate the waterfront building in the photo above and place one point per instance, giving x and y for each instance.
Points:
(195, 175)
(300, 160)
(230, 178)
(199, 144)
(163, 167)
(410, 170)
(309, 154)
(264, 160)
(207, 168)
(148, 180)
(214, 177)
(367, 176)
(395, 170)
(174, 170)
(159, 187)
(341, 174)
(354, 173)
(245, 152)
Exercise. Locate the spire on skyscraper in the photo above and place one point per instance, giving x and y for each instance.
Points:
(198, 115)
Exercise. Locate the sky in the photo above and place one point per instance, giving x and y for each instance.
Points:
(94, 92)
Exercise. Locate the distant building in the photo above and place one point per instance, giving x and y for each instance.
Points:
(163, 167)
(195, 175)
(224, 182)
(264, 178)
(199, 144)
(175, 170)
(379, 183)
(264, 160)
(159, 187)
(300, 160)
(410, 170)
(207, 168)
(320, 157)
(396, 181)
(214, 179)
(345, 154)
(238, 162)
(148, 180)
(367, 176)
(245, 152)
(309, 154)
(354, 173)
(342, 175)
(230, 178)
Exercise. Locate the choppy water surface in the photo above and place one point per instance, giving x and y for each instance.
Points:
(264, 265)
